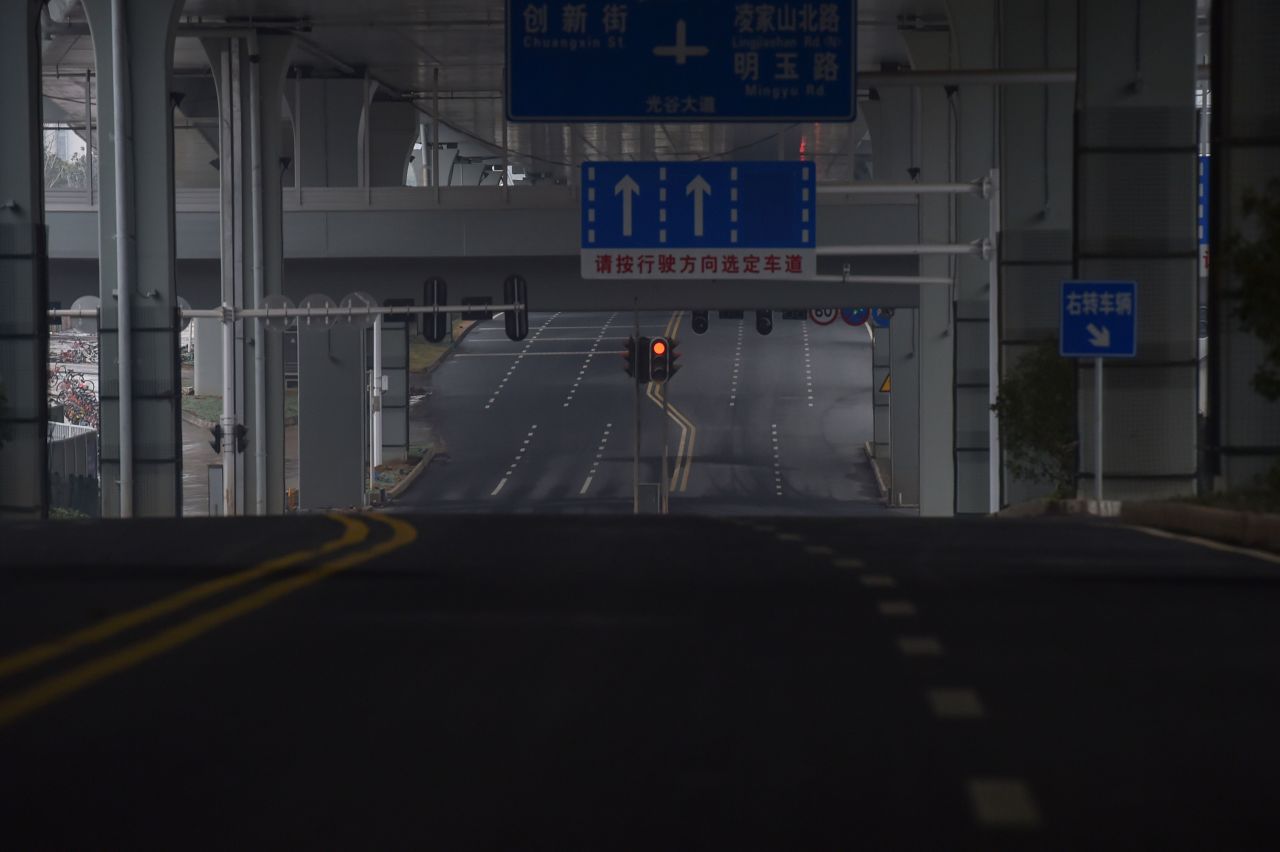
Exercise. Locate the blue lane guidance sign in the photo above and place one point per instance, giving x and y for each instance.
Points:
(681, 60)
(1099, 319)
(684, 220)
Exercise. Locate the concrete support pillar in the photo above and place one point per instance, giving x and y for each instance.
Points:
(891, 119)
(328, 125)
(146, 237)
(935, 336)
(231, 59)
(24, 284)
(974, 112)
(1037, 186)
(1136, 160)
(1244, 428)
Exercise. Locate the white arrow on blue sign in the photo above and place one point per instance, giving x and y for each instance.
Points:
(1099, 319)
(685, 220)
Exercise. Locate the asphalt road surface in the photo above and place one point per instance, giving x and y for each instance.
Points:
(565, 683)
(757, 424)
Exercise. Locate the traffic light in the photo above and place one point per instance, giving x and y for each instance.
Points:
(659, 359)
(241, 433)
(700, 322)
(216, 443)
(673, 353)
(636, 358)
(764, 321)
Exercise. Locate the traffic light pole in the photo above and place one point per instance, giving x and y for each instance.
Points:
(666, 484)
(635, 462)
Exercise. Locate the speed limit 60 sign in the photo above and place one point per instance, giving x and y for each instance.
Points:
(823, 316)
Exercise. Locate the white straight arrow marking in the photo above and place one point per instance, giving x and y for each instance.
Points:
(699, 189)
(628, 189)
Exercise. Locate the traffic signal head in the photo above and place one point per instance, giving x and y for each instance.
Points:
(700, 322)
(629, 356)
(764, 321)
(661, 362)
(216, 443)
(673, 352)
(241, 433)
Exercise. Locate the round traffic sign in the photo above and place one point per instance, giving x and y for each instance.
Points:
(854, 316)
(880, 317)
(822, 316)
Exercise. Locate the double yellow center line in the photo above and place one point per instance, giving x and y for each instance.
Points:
(688, 431)
(45, 692)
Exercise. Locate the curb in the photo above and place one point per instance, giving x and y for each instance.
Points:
(1259, 530)
(875, 469)
(209, 424)
(1247, 529)
(448, 353)
(400, 487)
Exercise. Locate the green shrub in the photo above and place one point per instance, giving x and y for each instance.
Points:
(1036, 406)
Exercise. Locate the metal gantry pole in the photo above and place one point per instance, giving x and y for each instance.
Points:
(375, 404)
(259, 344)
(1097, 438)
(995, 453)
(635, 461)
(228, 411)
(124, 283)
(666, 414)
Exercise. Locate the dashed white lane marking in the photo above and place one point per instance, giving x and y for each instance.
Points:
(848, 562)
(956, 704)
(595, 464)
(777, 461)
(518, 356)
(919, 646)
(737, 366)
(515, 462)
(595, 346)
(790, 537)
(818, 550)
(808, 365)
(1003, 803)
(877, 581)
(896, 609)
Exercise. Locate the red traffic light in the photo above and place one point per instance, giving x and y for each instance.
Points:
(659, 347)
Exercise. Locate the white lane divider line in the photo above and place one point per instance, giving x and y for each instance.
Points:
(586, 362)
(848, 562)
(919, 646)
(777, 462)
(897, 609)
(877, 581)
(737, 366)
(519, 357)
(956, 704)
(515, 462)
(595, 464)
(1003, 803)
(808, 365)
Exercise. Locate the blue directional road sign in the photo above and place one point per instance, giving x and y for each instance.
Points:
(684, 220)
(1099, 319)
(855, 316)
(681, 60)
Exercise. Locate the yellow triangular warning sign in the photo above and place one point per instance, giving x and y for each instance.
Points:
(884, 386)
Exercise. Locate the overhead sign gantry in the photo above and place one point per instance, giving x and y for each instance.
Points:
(681, 60)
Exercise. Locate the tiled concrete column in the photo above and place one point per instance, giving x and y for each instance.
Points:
(890, 118)
(24, 486)
(147, 235)
(935, 320)
(1037, 185)
(974, 110)
(1244, 428)
(1136, 159)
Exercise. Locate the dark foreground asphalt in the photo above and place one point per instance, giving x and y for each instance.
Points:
(620, 683)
